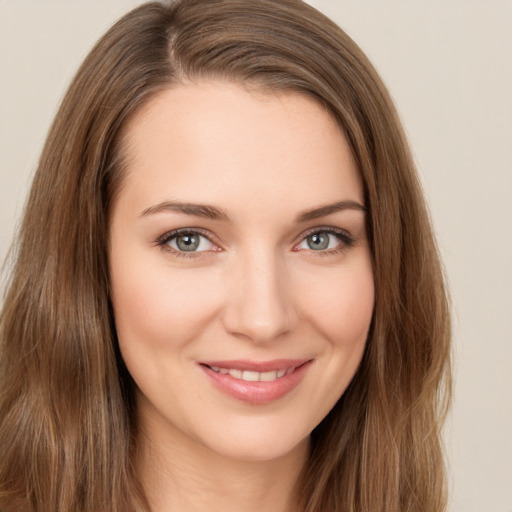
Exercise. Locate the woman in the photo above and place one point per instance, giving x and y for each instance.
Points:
(230, 292)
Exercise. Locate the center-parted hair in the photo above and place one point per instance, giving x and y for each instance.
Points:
(67, 429)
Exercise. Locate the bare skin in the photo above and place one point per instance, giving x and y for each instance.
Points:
(176, 479)
(242, 289)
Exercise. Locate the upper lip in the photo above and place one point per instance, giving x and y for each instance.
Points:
(257, 366)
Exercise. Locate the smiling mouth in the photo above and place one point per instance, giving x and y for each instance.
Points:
(252, 376)
(256, 383)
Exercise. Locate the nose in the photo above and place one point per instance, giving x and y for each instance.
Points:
(259, 307)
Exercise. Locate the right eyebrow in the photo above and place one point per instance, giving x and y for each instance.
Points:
(199, 210)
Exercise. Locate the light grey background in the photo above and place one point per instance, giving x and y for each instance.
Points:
(448, 64)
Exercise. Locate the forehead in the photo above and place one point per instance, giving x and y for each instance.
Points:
(215, 141)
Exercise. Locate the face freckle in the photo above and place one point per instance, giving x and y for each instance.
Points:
(242, 282)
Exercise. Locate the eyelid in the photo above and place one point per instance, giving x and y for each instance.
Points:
(346, 239)
(162, 242)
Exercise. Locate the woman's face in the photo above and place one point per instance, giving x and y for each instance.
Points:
(238, 253)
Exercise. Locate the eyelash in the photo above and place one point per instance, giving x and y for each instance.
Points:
(167, 237)
(346, 241)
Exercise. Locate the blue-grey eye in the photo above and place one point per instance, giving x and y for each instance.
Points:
(320, 241)
(190, 242)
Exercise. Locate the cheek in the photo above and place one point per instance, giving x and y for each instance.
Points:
(342, 309)
(160, 309)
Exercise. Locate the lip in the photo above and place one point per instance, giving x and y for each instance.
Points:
(255, 366)
(259, 392)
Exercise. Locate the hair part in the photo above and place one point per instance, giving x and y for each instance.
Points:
(67, 426)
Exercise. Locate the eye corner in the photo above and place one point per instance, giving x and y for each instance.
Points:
(168, 243)
(344, 241)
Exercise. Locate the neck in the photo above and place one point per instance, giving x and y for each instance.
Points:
(180, 474)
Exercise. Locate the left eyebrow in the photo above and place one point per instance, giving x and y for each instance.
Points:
(328, 209)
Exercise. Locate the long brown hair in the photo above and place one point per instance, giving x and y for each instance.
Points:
(66, 400)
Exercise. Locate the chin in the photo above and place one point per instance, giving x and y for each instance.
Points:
(259, 450)
(254, 440)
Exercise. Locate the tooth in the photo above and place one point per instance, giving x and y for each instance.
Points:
(250, 376)
(237, 374)
(268, 376)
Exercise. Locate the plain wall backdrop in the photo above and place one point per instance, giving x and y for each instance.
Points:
(448, 65)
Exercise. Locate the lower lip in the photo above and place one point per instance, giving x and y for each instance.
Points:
(260, 392)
